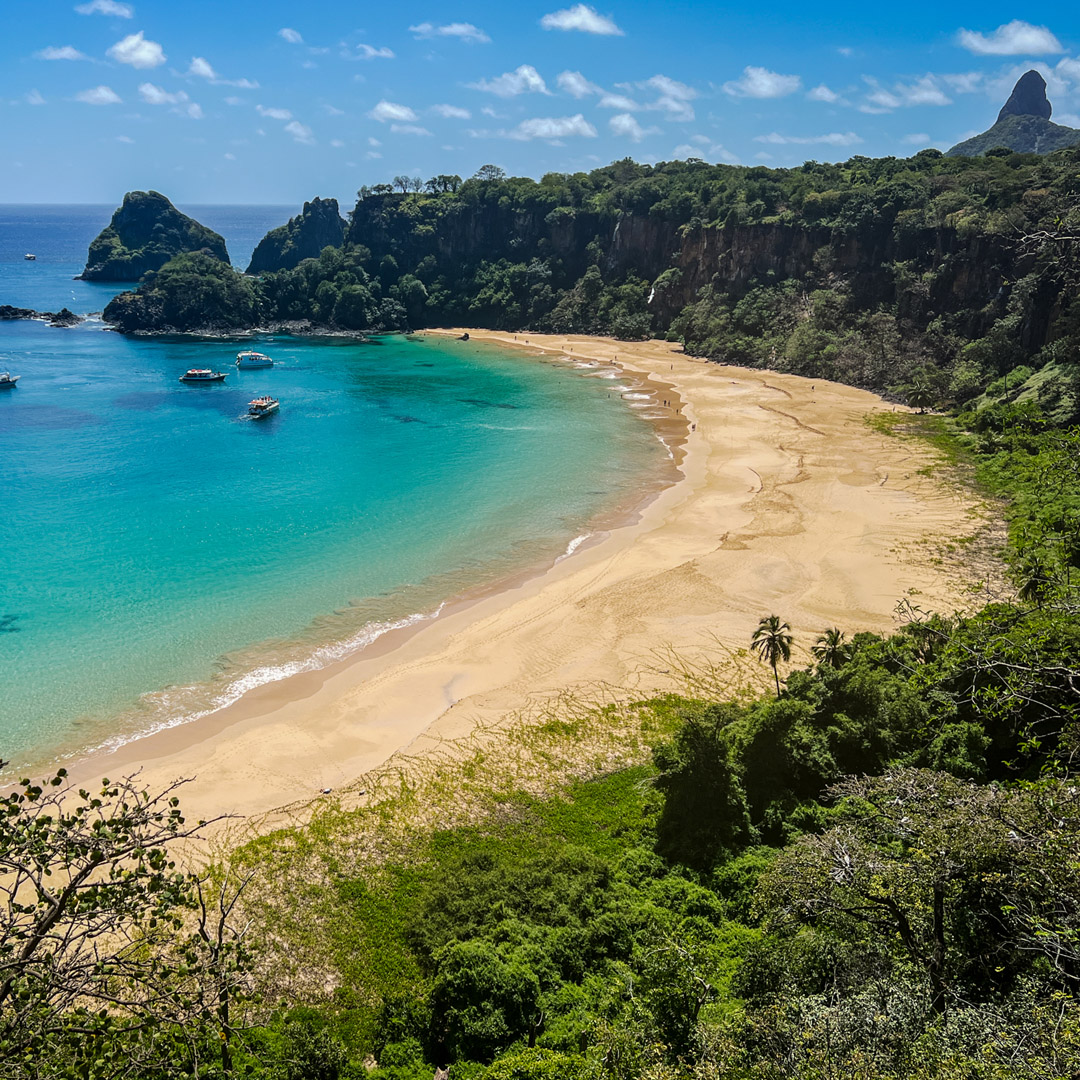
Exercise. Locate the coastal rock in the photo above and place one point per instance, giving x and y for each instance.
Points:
(1028, 98)
(1023, 125)
(144, 234)
(63, 317)
(318, 226)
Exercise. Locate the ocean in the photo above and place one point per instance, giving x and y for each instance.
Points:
(162, 553)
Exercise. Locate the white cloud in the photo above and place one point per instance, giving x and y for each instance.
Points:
(373, 155)
(300, 132)
(581, 17)
(369, 52)
(273, 114)
(372, 141)
(924, 91)
(626, 124)
(553, 127)
(524, 80)
(674, 96)
(451, 112)
(155, 95)
(409, 129)
(463, 31)
(917, 139)
(201, 68)
(575, 84)
(823, 93)
(337, 144)
(34, 98)
(759, 82)
(233, 100)
(98, 95)
(124, 139)
(705, 148)
(61, 52)
(618, 101)
(230, 157)
(291, 36)
(845, 50)
(1011, 39)
(967, 82)
(388, 110)
(106, 7)
(834, 138)
(333, 110)
(137, 51)
(193, 110)
(1066, 119)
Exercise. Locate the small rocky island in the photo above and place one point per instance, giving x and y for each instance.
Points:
(1023, 125)
(318, 226)
(144, 234)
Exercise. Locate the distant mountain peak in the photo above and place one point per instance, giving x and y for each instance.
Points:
(1028, 98)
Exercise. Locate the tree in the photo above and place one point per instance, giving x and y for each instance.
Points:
(112, 961)
(772, 642)
(490, 172)
(920, 394)
(831, 649)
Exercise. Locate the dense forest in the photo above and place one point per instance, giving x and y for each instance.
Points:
(945, 273)
(872, 871)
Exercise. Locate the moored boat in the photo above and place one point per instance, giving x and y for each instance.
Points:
(30, 258)
(7, 380)
(262, 406)
(251, 359)
(193, 375)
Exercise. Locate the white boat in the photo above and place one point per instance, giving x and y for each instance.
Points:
(199, 374)
(262, 406)
(7, 380)
(251, 359)
(30, 258)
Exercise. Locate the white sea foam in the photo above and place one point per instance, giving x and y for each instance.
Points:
(172, 701)
(637, 397)
(573, 546)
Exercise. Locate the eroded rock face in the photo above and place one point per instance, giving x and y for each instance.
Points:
(1028, 98)
(144, 234)
(319, 225)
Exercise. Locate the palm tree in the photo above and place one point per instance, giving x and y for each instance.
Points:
(772, 643)
(831, 649)
(920, 394)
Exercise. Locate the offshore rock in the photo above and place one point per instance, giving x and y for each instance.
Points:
(63, 317)
(318, 226)
(144, 234)
(1023, 125)
(1028, 98)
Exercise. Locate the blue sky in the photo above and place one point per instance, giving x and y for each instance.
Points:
(276, 102)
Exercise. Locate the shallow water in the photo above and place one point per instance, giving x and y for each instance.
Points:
(163, 552)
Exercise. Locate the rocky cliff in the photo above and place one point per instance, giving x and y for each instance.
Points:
(145, 232)
(319, 225)
(1023, 124)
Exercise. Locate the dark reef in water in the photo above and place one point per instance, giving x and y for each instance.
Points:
(144, 234)
(63, 317)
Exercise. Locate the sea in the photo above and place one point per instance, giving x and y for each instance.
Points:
(161, 553)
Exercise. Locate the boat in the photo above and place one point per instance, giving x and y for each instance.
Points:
(251, 359)
(30, 258)
(7, 380)
(201, 374)
(262, 406)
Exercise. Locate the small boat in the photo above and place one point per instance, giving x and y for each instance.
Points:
(251, 359)
(7, 380)
(262, 406)
(202, 374)
(30, 258)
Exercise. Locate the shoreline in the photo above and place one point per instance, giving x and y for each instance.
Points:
(707, 555)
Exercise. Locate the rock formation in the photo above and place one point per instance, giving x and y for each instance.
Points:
(1023, 125)
(320, 225)
(143, 235)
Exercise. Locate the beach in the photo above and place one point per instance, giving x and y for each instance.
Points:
(787, 502)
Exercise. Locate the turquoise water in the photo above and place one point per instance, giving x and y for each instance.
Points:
(163, 553)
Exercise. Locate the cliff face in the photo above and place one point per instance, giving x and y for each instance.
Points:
(1023, 125)
(143, 235)
(319, 225)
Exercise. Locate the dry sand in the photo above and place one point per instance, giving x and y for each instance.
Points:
(789, 503)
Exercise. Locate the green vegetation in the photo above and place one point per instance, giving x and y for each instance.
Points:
(145, 232)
